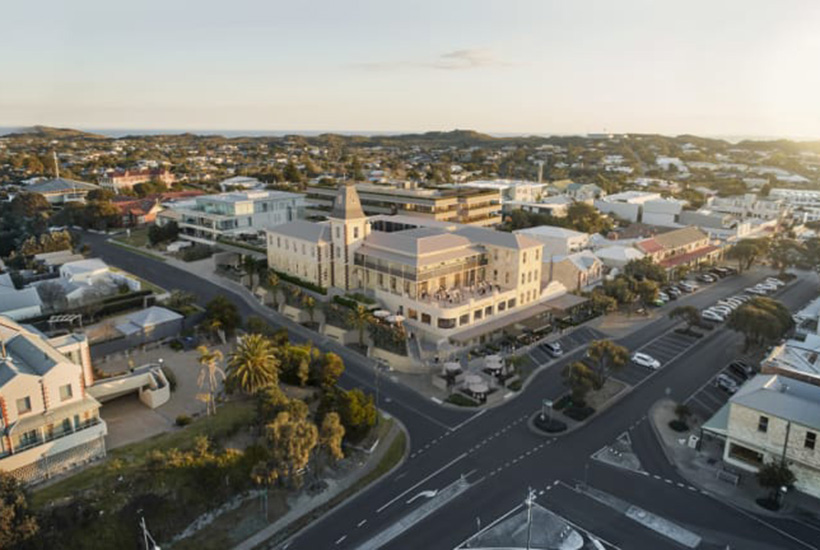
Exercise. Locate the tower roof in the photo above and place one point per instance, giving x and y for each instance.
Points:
(346, 205)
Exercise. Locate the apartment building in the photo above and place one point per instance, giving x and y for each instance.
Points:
(442, 277)
(232, 214)
(512, 190)
(465, 205)
(48, 421)
(627, 205)
(749, 206)
(119, 180)
(803, 203)
(773, 418)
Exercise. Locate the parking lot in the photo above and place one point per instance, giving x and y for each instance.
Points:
(709, 398)
(577, 338)
(664, 349)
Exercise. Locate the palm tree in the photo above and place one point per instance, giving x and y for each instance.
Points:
(253, 365)
(214, 326)
(272, 281)
(309, 303)
(360, 318)
(209, 372)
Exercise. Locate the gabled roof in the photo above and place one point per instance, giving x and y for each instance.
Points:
(617, 252)
(584, 260)
(57, 185)
(304, 230)
(550, 231)
(483, 235)
(90, 265)
(649, 246)
(418, 242)
(680, 237)
(12, 300)
(782, 397)
(346, 205)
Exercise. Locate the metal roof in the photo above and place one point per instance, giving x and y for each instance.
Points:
(781, 397)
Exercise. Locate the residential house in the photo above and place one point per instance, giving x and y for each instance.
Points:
(617, 256)
(584, 192)
(18, 304)
(558, 241)
(136, 212)
(626, 205)
(48, 422)
(579, 271)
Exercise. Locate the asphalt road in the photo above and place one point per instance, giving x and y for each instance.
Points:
(497, 452)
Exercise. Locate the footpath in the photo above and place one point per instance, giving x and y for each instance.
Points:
(704, 468)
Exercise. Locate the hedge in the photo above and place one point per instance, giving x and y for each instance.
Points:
(300, 282)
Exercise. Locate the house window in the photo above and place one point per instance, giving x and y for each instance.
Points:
(28, 438)
(355, 232)
(425, 318)
(811, 440)
(65, 392)
(412, 313)
(24, 405)
(763, 424)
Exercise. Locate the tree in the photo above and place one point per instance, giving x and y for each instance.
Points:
(580, 379)
(607, 356)
(331, 369)
(253, 364)
(17, 524)
(290, 442)
(761, 320)
(774, 475)
(784, 253)
(331, 435)
(225, 312)
(646, 291)
(586, 218)
(602, 303)
(309, 303)
(167, 232)
(359, 318)
(645, 268)
(272, 282)
(209, 375)
(746, 252)
(358, 413)
(292, 173)
(53, 296)
(682, 412)
(688, 314)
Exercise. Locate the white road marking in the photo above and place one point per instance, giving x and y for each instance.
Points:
(341, 539)
(426, 479)
(361, 523)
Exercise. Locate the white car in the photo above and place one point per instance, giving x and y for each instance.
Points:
(663, 297)
(723, 310)
(767, 286)
(711, 315)
(645, 360)
(755, 290)
(775, 281)
(731, 304)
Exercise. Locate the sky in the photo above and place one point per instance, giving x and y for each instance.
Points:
(717, 67)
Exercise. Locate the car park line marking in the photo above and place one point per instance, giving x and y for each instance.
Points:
(341, 539)
(361, 523)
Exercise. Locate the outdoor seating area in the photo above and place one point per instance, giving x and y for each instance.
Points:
(460, 295)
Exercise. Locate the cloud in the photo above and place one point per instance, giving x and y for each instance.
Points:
(456, 60)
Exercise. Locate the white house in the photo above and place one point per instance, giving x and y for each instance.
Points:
(49, 423)
(617, 256)
(626, 205)
(558, 241)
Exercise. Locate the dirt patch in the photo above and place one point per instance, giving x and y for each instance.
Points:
(598, 399)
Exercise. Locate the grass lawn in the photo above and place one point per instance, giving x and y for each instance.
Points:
(139, 251)
(146, 285)
(230, 417)
(139, 237)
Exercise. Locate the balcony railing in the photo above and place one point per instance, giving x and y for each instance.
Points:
(40, 439)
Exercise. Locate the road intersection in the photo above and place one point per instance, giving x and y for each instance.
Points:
(500, 456)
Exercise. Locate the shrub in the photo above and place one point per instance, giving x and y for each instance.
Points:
(196, 252)
(515, 386)
(461, 400)
(183, 420)
(171, 377)
(678, 425)
(175, 345)
(579, 413)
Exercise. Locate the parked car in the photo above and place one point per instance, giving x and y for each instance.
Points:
(725, 382)
(775, 281)
(755, 290)
(742, 297)
(711, 315)
(720, 271)
(730, 303)
(723, 310)
(645, 360)
(687, 286)
(663, 296)
(673, 291)
(767, 286)
(741, 368)
(553, 349)
(705, 278)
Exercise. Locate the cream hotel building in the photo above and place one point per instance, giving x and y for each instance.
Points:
(447, 279)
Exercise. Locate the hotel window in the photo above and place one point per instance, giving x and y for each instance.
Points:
(464, 319)
(511, 303)
(24, 405)
(811, 440)
(502, 306)
(529, 276)
(477, 315)
(523, 278)
(488, 311)
(763, 424)
(506, 278)
(525, 257)
(338, 251)
(536, 255)
(495, 274)
(425, 318)
(338, 232)
(28, 438)
(446, 323)
(521, 299)
(66, 393)
(355, 232)
(304, 250)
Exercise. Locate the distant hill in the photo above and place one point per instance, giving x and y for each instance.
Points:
(48, 132)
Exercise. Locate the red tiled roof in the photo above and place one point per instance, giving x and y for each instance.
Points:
(650, 246)
(684, 258)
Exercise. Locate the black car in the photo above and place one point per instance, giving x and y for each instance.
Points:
(741, 369)
(720, 271)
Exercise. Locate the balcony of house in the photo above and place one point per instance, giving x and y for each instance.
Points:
(483, 220)
(52, 439)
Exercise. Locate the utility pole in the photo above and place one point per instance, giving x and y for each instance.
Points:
(56, 165)
(529, 502)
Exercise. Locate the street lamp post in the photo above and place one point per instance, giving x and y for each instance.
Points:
(546, 409)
